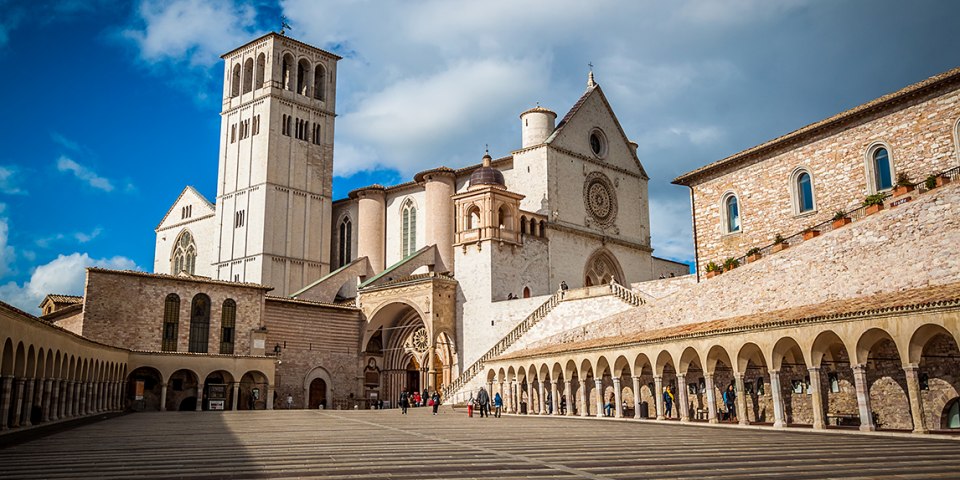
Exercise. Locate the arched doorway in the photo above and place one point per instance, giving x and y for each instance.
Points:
(182, 391)
(600, 268)
(318, 394)
(412, 370)
(218, 391)
(253, 391)
(144, 390)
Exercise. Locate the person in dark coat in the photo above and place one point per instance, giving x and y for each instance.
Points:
(404, 402)
(730, 403)
(497, 405)
(483, 402)
(436, 402)
(667, 402)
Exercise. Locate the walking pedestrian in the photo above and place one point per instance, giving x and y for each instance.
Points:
(563, 288)
(436, 402)
(563, 404)
(497, 404)
(404, 402)
(730, 403)
(483, 402)
(667, 402)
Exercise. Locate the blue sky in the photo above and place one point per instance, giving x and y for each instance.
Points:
(112, 107)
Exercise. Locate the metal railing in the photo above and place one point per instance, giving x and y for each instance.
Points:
(854, 215)
(504, 343)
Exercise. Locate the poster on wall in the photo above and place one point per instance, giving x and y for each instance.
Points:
(138, 395)
(216, 405)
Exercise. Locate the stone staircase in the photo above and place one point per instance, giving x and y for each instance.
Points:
(620, 292)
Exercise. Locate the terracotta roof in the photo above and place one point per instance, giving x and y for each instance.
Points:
(60, 298)
(931, 84)
(879, 304)
(539, 109)
(271, 298)
(441, 169)
(185, 278)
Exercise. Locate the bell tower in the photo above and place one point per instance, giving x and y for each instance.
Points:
(275, 168)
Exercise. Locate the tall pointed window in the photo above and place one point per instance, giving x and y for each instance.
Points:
(248, 76)
(409, 228)
(171, 322)
(228, 320)
(731, 213)
(803, 192)
(199, 323)
(184, 258)
(346, 238)
(319, 79)
(261, 68)
(235, 81)
(882, 171)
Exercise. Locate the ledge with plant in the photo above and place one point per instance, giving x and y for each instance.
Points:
(840, 219)
(779, 243)
(713, 270)
(874, 203)
(753, 255)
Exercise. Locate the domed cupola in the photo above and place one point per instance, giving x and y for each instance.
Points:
(487, 175)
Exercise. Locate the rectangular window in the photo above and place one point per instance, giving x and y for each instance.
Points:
(233, 133)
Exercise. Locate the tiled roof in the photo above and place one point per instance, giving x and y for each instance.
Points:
(883, 303)
(271, 298)
(59, 298)
(874, 106)
(185, 278)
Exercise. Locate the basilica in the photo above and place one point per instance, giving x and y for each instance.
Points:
(825, 291)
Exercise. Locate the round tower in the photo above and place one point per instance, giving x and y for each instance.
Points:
(537, 124)
(439, 185)
(371, 213)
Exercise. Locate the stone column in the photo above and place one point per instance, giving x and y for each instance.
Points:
(77, 397)
(28, 394)
(6, 383)
(741, 399)
(39, 390)
(439, 187)
(779, 417)
(269, 397)
(199, 397)
(657, 399)
(584, 407)
(18, 402)
(45, 402)
(371, 212)
(543, 397)
(682, 398)
(816, 398)
(598, 383)
(236, 397)
(83, 398)
(617, 398)
(66, 399)
(432, 371)
(636, 397)
(163, 397)
(555, 395)
(508, 401)
(863, 398)
(529, 397)
(916, 400)
(711, 398)
(503, 396)
(568, 392)
(54, 414)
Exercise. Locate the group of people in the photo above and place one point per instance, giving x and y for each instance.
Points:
(415, 399)
(482, 403)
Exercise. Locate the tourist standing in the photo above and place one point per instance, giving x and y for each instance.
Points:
(563, 288)
(563, 404)
(483, 402)
(730, 403)
(416, 399)
(608, 407)
(436, 402)
(497, 405)
(667, 402)
(404, 402)
(425, 397)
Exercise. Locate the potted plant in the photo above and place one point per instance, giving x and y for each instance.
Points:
(713, 270)
(903, 186)
(810, 233)
(874, 203)
(840, 219)
(753, 255)
(778, 243)
(942, 180)
(730, 264)
(931, 182)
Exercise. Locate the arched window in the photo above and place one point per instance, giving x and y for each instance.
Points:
(286, 72)
(319, 83)
(261, 70)
(503, 217)
(803, 192)
(303, 72)
(346, 239)
(171, 322)
(523, 224)
(473, 218)
(408, 234)
(731, 213)
(526, 292)
(184, 257)
(882, 169)
(199, 323)
(228, 320)
(235, 82)
(543, 228)
(248, 76)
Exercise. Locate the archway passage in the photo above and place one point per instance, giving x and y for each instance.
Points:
(600, 268)
(144, 390)
(218, 391)
(318, 393)
(254, 390)
(413, 376)
(182, 391)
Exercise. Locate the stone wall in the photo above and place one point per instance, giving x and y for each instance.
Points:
(318, 339)
(920, 137)
(126, 309)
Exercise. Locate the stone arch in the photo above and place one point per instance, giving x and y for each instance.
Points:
(261, 71)
(318, 388)
(304, 72)
(319, 82)
(879, 355)
(254, 391)
(600, 267)
(218, 387)
(183, 390)
(286, 72)
(937, 365)
(921, 336)
(235, 81)
(150, 389)
(788, 358)
(6, 367)
(248, 75)
(753, 366)
(827, 346)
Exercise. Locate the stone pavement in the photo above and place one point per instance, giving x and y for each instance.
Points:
(386, 444)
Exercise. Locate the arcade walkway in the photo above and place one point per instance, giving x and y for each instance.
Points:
(384, 444)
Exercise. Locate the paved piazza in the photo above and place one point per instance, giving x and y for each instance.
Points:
(385, 444)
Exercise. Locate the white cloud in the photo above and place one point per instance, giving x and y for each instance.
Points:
(196, 32)
(66, 165)
(671, 229)
(65, 274)
(7, 252)
(79, 237)
(8, 180)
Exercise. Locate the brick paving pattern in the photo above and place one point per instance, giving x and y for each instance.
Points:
(385, 444)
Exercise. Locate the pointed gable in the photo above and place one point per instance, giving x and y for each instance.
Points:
(592, 111)
(197, 207)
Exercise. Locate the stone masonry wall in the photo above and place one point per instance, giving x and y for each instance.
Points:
(920, 139)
